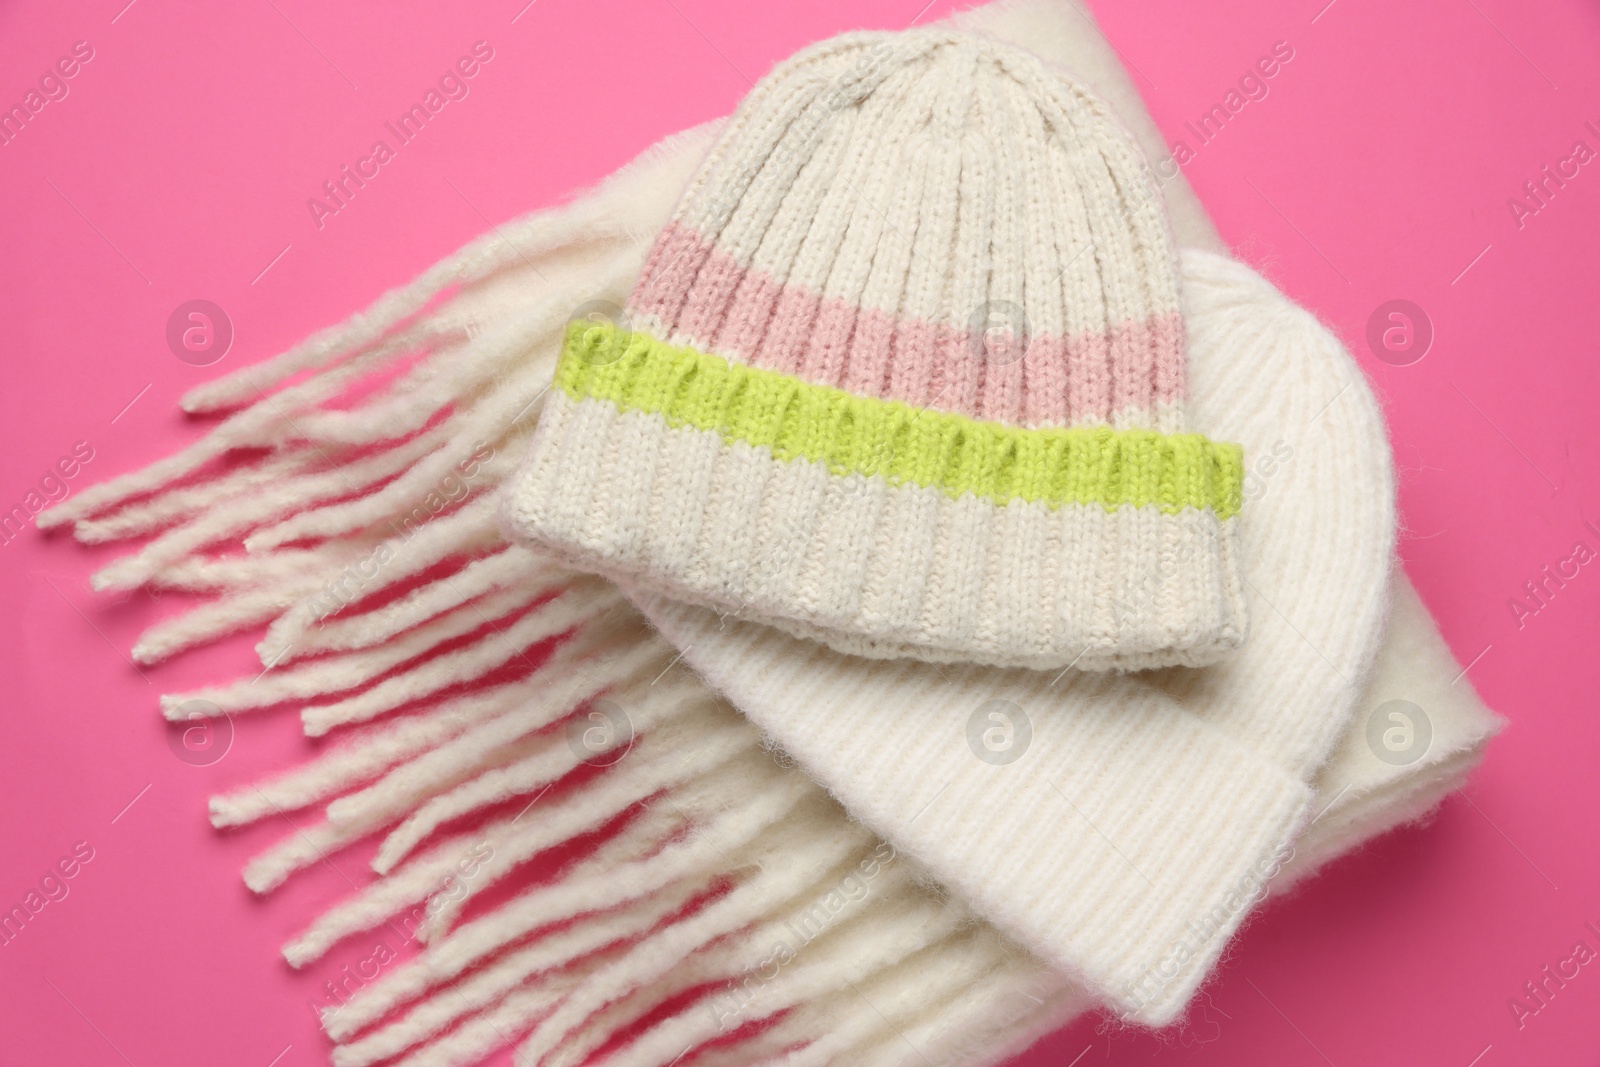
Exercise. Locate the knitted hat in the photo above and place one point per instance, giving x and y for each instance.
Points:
(1121, 826)
(905, 375)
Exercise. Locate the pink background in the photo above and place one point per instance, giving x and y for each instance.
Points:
(1378, 167)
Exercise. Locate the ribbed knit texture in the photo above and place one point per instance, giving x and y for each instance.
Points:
(916, 261)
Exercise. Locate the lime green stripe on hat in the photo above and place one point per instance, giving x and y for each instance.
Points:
(853, 434)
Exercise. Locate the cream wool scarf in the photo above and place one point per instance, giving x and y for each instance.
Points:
(905, 971)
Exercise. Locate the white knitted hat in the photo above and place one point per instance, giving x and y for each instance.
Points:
(1120, 825)
(906, 375)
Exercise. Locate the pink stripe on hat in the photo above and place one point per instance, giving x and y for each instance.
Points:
(745, 314)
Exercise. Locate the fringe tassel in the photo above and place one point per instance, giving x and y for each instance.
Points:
(722, 908)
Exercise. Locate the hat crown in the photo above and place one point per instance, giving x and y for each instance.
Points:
(932, 217)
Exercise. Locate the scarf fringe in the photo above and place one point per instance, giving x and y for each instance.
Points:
(346, 503)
